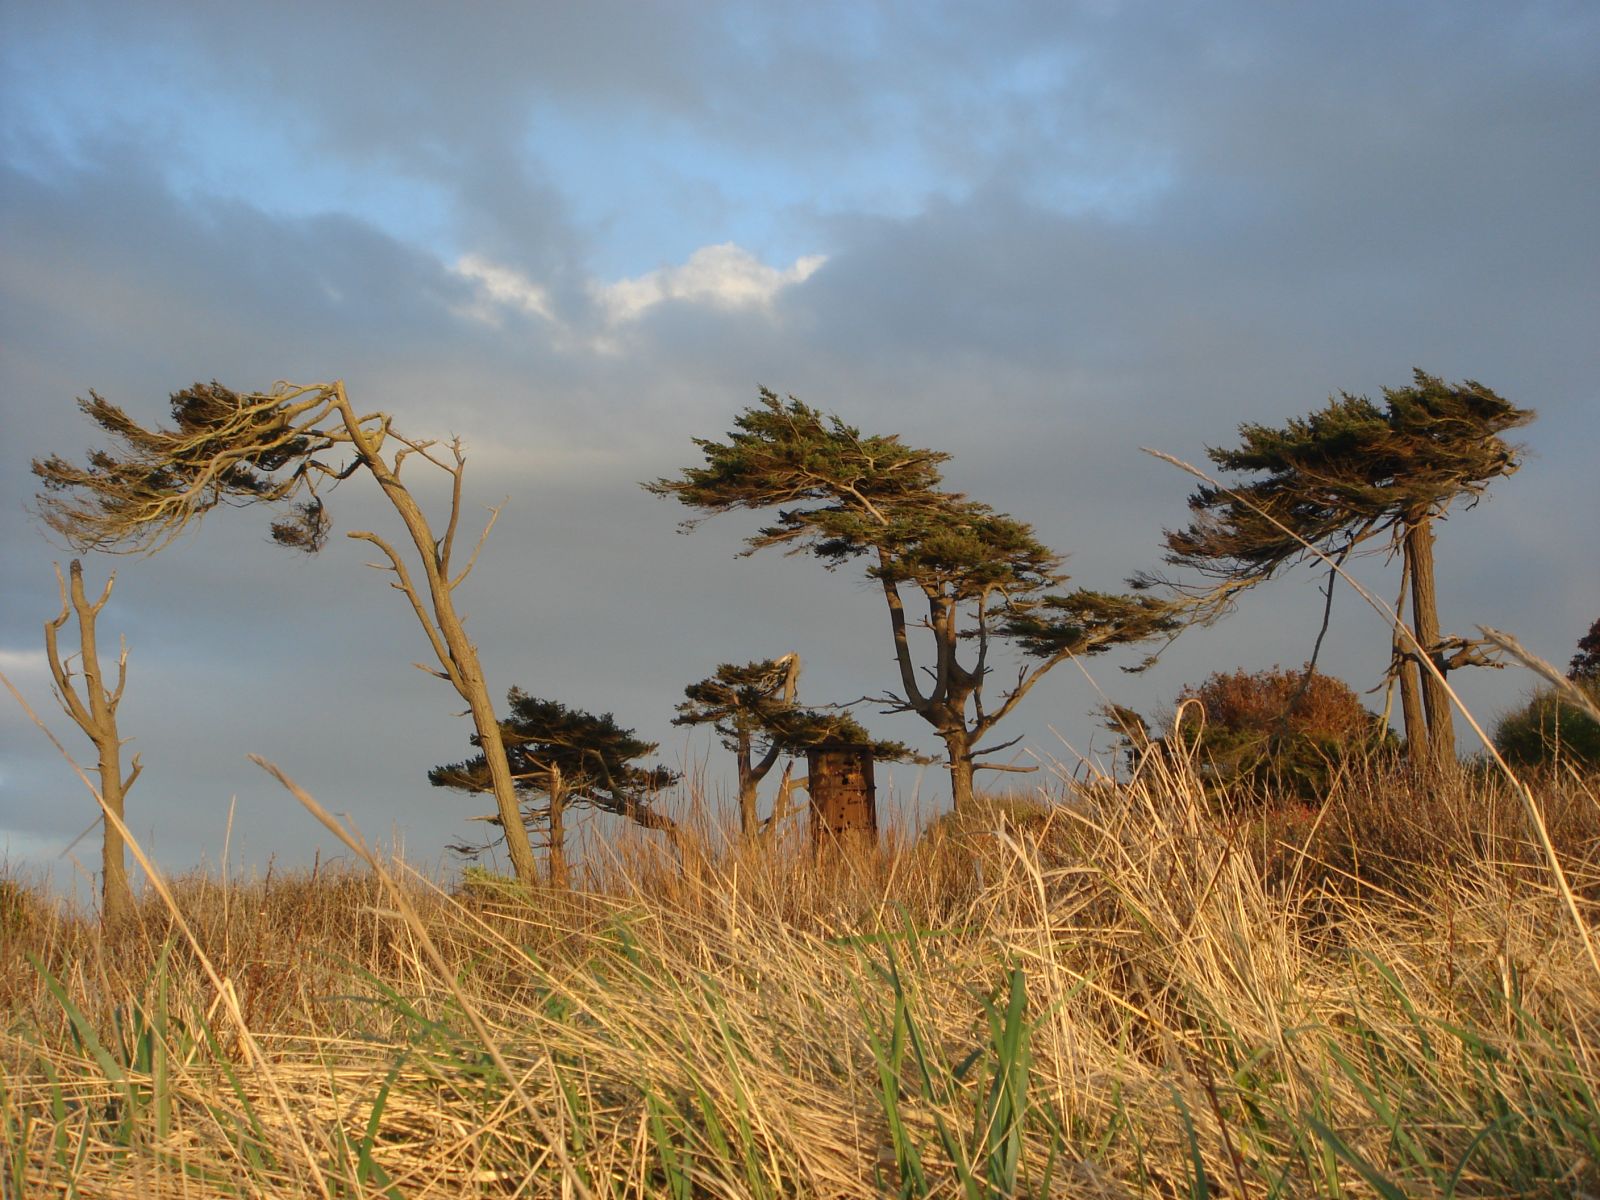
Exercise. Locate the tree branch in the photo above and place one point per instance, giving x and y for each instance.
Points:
(472, 559)
(915, 700)
(405, 586)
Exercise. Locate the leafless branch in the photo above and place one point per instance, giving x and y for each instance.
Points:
(404, 585)
(472, 559)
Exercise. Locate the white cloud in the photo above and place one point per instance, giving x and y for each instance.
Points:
(502, 287)
(725, 276)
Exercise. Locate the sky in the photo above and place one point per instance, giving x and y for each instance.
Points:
(1037, 237)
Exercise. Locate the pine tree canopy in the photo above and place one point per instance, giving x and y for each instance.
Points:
(1345, 473)
(749, 700)
(1085, 622)
(782, 454)
(840, 495)
(595, 756)
(1586, 662)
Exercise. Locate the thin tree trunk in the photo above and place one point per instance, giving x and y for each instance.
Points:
(98, 719)
(558, 830)
(749, 782)
(1425, 623)
(1411, 711)
(1406, 675)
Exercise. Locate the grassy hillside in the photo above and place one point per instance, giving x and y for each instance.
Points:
(1127, 992)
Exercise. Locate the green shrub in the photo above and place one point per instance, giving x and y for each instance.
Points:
(1551, 729)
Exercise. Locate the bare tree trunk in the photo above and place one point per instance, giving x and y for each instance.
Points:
(1425, 623)
(558, 830)
(98, 719)
(1406, 675)
(1411, 712)
(783, 803)
(457, 655)
(958, 747)
(749, 783)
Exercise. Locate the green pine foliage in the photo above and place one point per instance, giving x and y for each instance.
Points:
(983, 576)
(747, 707)
(594, 759)
(1550, 730)
(1348, 472)
(1586, 662)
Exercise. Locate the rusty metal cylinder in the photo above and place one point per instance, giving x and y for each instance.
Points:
(844, 800)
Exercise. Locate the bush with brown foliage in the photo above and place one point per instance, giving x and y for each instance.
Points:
(1290, 731)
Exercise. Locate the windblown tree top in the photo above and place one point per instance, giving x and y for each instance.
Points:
(596, 758)
(751, 700)
(1347, 472)
(782, 453)
(224, 447)
(839, 494)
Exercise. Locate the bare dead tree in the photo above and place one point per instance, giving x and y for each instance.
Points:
(237, 449)
(95, 712)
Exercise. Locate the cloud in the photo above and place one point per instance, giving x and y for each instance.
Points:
(501, 287)
(725, 277)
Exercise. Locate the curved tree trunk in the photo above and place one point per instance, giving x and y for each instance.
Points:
(458, 656)
(1411, 710)
(749, 782)
(559, 877)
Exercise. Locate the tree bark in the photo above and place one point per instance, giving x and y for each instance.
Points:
(98, 719)
(1404, 658)
(1441, 749)
(1411, 710)
(749, 782)
(958, 746)
(558, 831)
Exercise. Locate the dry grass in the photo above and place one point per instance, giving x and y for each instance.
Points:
(1124, 993)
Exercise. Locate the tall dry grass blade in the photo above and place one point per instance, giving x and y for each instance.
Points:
(1568, 689)
(224, 987)
(419, 928)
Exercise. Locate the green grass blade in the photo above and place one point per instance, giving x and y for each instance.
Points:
(1379, 1183)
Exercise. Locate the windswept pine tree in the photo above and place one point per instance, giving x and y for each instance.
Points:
(562, 757)
(1347, 474)
(754, 710)
(228, 448)
(981, 576)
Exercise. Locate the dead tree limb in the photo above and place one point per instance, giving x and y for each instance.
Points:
(236, 449)
(95, 712)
